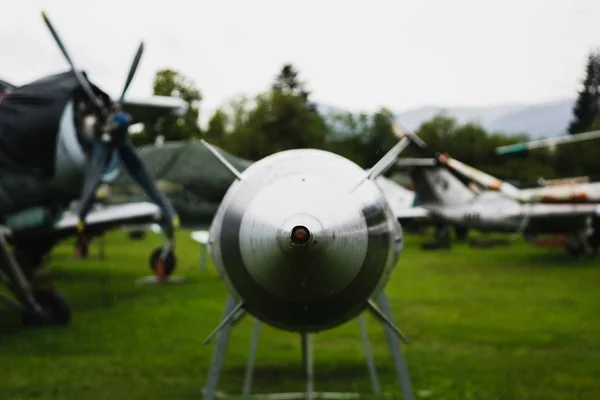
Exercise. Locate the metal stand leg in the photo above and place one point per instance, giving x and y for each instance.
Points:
(369, 355)
(307, 363)
(16, 279)
(203, 261)
(307, 355)
(251, 359)
(219, 353)
(396, 351)
(101, 247)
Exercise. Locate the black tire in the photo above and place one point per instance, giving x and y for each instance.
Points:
(170, 261)
(442, 236)
(59, 312)
(575, 250)
(462, 234)
(137, 235)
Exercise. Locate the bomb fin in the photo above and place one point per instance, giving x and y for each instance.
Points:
(230, 318)
(384, 319)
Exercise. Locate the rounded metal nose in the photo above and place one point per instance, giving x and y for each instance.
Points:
(300, 235)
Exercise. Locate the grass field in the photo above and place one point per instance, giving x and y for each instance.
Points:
(520, 323)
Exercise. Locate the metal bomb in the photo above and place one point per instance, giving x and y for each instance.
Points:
(304, 239)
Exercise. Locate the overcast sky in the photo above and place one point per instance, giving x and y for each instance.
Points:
(357, 55)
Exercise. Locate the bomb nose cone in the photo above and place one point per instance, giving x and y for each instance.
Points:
(302, 239)
(300, 235)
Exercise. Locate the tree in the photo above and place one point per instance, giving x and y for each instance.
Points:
(347, 133)
(586, 108)
(287, 81)
(380, 138)
(438, 132)
(170, 83)
(582, 158)
(217, 128)
(279, 121)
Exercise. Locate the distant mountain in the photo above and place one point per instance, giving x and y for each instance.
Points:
(538, 120)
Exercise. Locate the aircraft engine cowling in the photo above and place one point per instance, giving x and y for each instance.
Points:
(300, 244)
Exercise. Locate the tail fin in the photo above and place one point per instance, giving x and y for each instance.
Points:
(437, 186)
(486, 181)
(397, 196)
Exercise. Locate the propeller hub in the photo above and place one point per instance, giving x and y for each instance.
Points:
(121, 121)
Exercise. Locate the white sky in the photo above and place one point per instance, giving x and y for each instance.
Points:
(357, 55)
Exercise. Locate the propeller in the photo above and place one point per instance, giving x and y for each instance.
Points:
(113, 137)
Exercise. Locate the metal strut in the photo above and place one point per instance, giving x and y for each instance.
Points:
(17, 281)
(229, 319)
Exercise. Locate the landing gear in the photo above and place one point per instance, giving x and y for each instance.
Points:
(34, 293)
(576, 245)
(162, 269)
(575, 248)
(82, 245)
(136, 235)
(594, 237)
(461, 233)
(442, 239)
(54, 306)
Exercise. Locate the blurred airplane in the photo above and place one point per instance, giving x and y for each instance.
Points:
(449, 200)
(498, 209)
(569, 190)
(57, 134)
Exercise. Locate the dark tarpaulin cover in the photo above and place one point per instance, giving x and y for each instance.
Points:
(29, 122)
(195, 179)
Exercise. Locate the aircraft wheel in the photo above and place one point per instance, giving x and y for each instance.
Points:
(461, 233)
(137, 235)
(59, 312)
(169, 264)
(575, 249)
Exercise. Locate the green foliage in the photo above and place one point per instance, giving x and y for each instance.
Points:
(380, 137)
(279, 121)
(217, 128)
(283, 118)
(287, 82)
(171, 83)
(582, 158)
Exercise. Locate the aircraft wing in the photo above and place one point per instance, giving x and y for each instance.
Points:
(409, 214)
(562, 211)
(154, 107)
(98, 220)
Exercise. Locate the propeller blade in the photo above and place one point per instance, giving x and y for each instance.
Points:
(93, 174)
(141, 175)
(80, 78)
(132, 70)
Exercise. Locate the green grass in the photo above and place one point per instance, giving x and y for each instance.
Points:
(519, 323)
